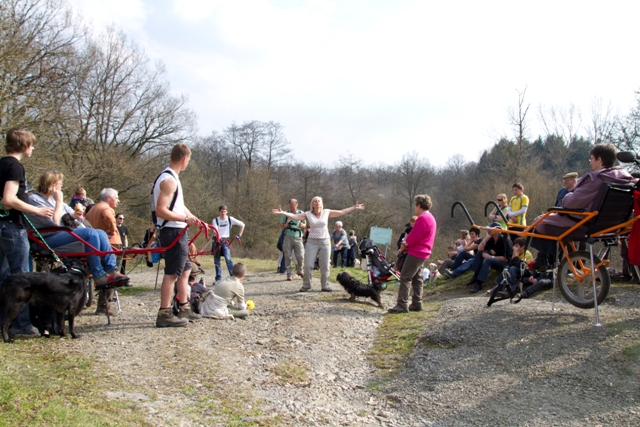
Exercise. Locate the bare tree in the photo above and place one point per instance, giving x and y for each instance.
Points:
(38, 40)
(560, 121)
(412, 177)
(518, 119)
(602, 123)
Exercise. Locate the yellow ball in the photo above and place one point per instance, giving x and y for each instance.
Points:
(250, 304)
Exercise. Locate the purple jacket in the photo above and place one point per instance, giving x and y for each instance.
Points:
(584, 195)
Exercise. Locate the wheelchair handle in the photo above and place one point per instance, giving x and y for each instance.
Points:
(464, 209)
(498, 210)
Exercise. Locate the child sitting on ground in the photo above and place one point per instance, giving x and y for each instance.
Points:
(231, 289)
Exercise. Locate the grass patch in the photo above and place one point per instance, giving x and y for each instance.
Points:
(396, 338)
(293, 372)
(133, 290)
(41, 386)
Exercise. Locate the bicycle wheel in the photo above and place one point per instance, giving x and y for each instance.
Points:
(577, 287)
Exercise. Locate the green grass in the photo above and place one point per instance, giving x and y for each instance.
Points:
(397, 336)
(42, 386)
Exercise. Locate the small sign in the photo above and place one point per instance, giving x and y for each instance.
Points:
(382, 236)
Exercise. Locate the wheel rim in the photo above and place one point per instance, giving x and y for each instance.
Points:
(578, 284)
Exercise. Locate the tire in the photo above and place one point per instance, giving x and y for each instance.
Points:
(579, 293)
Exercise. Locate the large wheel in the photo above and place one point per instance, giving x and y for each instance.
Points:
(578, 288)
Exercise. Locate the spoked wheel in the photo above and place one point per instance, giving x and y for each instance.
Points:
(577, 286)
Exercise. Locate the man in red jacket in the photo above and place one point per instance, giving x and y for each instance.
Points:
(417, 245)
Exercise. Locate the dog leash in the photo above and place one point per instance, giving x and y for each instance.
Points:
(55, 255)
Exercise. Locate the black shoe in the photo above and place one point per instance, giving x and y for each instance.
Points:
(477, 287)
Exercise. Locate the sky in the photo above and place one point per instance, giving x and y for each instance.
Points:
(378, 80)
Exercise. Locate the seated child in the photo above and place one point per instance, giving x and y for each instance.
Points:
(231, 289)
(514, 266)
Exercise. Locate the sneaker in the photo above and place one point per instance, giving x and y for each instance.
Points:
(289, 278)
(476, 288)
(30, 332)
(304, 290)
(167, 319)
(111, 279)
(327, 290)
(398, 309)
(448, 273)
(186, 313)
(117, 276)
(415, 307)
(301, 275)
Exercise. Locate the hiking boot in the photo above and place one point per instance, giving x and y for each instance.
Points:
(398, 309)
(185, 312)
(103, 307)
(304, 289)
(167, 319)
(415, 306)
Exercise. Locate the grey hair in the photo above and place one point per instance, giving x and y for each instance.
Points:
(106, 192)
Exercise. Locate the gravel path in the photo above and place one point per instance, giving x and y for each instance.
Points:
(300, 359)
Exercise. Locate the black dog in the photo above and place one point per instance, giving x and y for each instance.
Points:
(62, 290)
(356, 288)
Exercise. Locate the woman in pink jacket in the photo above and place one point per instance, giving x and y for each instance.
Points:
(417, 245)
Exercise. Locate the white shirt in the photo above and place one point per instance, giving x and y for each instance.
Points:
(178, 207)
(224, 225)
(318, 227)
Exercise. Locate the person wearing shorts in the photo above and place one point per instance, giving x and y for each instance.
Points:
(172, 216)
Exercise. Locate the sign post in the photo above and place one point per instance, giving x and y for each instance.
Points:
(382, 236)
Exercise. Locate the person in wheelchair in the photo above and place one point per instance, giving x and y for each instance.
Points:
(602, 159)
(49, 194)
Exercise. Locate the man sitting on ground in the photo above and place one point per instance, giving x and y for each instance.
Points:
(493, 253)
(231, 289)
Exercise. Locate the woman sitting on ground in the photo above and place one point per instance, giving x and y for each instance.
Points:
(50, 195)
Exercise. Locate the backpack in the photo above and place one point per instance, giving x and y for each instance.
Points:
(152, 202)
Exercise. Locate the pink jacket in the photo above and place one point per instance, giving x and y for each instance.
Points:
(584, 195)
(420, 240)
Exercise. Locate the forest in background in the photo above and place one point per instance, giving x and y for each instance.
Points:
(105, 116)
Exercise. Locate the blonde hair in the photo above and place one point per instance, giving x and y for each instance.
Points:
(48, 180)
(318, 198)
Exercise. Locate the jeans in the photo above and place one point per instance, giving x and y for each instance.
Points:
(460, 258)
(14, 258)
(226, 253)
(96, 238)
(482, 266)
(461, 269)
(343, 253)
